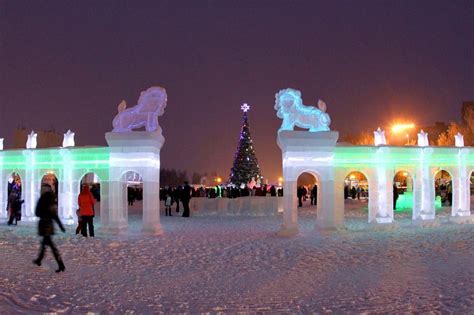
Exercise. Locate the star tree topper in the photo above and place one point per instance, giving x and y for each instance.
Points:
(245, 107)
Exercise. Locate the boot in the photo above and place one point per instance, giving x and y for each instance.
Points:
(61, 267)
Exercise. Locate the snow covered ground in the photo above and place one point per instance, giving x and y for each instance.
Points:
(238, 264)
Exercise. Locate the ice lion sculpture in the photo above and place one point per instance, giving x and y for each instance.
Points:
(290, 108)
(150, 105)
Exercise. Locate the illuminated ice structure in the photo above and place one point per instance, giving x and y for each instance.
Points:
(150, 105)
(319, 154)
(290, 108)
(68, 140)
(128, 151)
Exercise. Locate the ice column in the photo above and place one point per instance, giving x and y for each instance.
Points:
(384, 189)
(31, 186)
(423, 190)
(462, 187)
(66, 208)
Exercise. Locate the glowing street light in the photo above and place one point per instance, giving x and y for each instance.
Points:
(396, 128)
(399, 128)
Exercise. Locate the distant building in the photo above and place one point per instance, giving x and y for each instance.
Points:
(46, 139)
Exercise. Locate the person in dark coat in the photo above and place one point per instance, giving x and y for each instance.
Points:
(314, 195)
(273, 191)
(14, 203)
(395, 196)
(353, 192)
(130, 195)
(185, 198)
(299, 194)
(46, 210)
(177, 197)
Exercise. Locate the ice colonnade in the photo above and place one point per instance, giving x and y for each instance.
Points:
(127, 151)
(319, 154)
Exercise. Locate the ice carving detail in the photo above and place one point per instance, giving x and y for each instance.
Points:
(459, 140)
(1, 144)
(150, 105)
(423, 139)
(290, 108)
(68, 140)
(379, 137)
(31, 143)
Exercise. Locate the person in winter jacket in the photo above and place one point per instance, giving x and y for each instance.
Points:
(86, 210)
(46, 210)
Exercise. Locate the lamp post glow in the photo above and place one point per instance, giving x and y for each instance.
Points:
(400, 128)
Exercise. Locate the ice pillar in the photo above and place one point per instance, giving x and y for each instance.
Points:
(383, 197)
(31, 185)
(462, 187)
(66, 204)
(423, 190)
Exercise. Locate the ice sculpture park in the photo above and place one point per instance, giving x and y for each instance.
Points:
(313, 151)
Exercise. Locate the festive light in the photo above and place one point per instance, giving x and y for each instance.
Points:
(399, 127)
(245, 165)
(245, 107)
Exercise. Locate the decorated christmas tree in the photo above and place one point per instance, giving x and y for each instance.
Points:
(245, 162)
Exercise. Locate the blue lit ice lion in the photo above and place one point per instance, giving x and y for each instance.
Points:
(150, 105)
(290, 108)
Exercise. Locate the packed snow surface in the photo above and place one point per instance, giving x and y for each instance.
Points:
(238, 264)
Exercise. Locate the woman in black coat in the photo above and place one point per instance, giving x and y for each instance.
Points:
(46, 210)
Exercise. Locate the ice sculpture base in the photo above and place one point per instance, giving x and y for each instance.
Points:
(135, 139)
(153, 230)
(286, 231)
(384, 220)
(462, 219)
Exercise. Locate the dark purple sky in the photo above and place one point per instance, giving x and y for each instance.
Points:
(67, 64)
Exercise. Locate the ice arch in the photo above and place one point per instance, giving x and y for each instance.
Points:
(319, 153)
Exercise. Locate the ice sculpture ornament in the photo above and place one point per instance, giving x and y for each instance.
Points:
(150, 105)
(68, 140)
(31, 143)
(379, 137)
(423, 139)
(290, 108)
(459, 140)
(1, 144)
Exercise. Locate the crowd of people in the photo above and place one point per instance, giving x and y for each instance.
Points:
(307, 192)
(220, 191)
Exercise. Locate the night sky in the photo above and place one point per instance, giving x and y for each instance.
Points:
(67, 65)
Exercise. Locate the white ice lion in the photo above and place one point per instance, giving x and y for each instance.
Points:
(150, 105)
(290, 108)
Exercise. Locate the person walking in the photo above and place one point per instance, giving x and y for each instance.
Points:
(395, 196)
(86, 210)
(314, 195)
(185, 198)
(47, 211)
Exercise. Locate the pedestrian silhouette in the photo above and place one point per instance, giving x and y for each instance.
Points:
(47, 211)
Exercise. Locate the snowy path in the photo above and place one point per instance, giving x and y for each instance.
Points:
(209, 264)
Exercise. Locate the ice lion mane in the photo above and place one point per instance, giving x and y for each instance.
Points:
(151, 104)
(290, 108)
